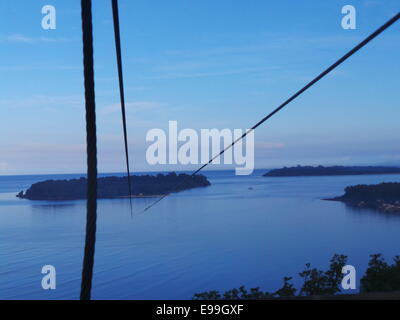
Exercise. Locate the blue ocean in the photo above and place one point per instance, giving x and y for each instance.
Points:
(241, 230)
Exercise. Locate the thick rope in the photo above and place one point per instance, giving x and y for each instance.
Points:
(121, 91)
(91, 149)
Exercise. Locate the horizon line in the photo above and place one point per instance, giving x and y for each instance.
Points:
(190, 170)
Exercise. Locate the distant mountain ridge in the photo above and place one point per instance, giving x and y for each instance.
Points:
(114, 187)
(330, 171)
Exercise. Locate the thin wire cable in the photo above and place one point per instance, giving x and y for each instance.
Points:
(121, 91)
(294, 96)
(91, 150)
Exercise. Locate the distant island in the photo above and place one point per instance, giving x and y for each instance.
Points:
(114, 187)
(300, 171)
(383, 197)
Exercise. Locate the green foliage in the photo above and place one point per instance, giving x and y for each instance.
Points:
(380, 276)
(242, 293)
(287, 290)
(318, 282)
(114, 187)
(233, 294)
(209, 295)
(387, 191)
(329, 171)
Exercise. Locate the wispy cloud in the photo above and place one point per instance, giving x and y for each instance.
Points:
(269, 42)
(254, 57)
(40, 66)
(131, 106)
(137, 88)
(372, 3)
(199, 74)
(223, 50)
(43, 101)
(41, 148)
(3, 166)
(183, 65)
(269, 145)
(20, 38)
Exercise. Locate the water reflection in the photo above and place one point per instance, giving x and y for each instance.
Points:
(217, 238)
(54, 206)
(370, 212)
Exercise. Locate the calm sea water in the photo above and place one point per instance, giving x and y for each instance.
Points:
(248, 230)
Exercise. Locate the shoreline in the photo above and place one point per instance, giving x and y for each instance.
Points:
(146, 186)
(378, 205)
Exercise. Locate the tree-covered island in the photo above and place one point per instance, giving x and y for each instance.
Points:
(300, 171)
(114, 187)
(383, 197)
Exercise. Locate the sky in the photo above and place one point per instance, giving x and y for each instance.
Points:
(206, 64)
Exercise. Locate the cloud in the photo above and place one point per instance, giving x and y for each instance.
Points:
(34, 157)
(216, 51)
(269, 42)
(43, 101)
(134, 106)
(244, 59)
(185, 65)
(260, 47)
(37, 66)
(183, 75)
(47, 148)
(54, 40)
(372, 3)
(3, 166)
(250, 58)
(19, 38)
(138, 88)
(269, 145)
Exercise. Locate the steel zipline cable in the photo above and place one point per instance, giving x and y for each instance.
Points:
(121, 91)
(294, 96)
(91, 149)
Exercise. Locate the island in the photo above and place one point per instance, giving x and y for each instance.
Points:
(114, 187)
(300, 171)
(383, 197)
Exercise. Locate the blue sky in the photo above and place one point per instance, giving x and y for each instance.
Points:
(207, 64)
